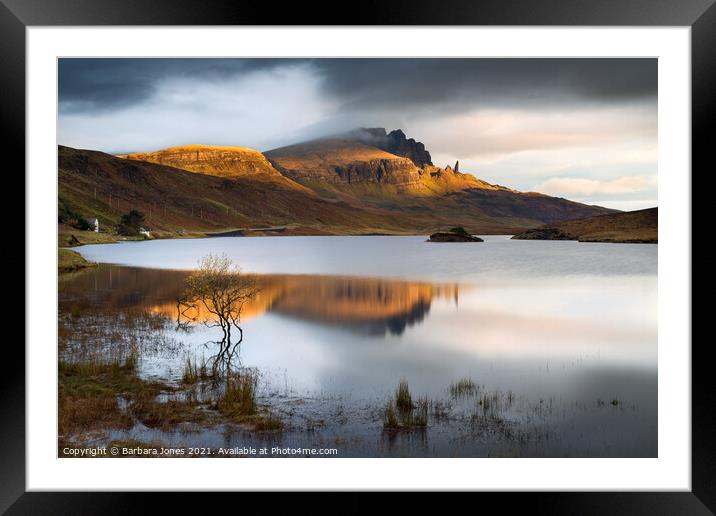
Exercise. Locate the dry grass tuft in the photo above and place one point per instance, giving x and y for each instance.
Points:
(403, 399)
(402, 414)
(239, 399)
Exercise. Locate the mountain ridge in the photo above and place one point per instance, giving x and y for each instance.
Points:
(345, 167)
(340, 184)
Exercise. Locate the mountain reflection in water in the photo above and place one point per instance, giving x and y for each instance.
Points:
(366, 305)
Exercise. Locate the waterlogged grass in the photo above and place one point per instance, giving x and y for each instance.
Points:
(463, 388)
(267, 422)
(402, 414)
(166, 415)
(86, 334)
(391, 417)
(493, 405)
(420, 414)
(110, 396)
(97, 367)
(239, 398)
(489, 406)
(84, 414)
(238, 403)
(100, 390)
(403, 399)
(441, 410)
(95, 379)
(89, 392)
(195, 372)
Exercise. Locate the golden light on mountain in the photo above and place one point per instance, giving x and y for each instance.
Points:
(212, 160)
(349, 165)
(364, 182)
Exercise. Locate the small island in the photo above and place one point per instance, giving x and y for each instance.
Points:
(456, 234)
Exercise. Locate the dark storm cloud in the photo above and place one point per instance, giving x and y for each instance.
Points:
(367, 81)
(87, 85)
(114, 83)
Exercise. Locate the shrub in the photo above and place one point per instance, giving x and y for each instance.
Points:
(66, 215)
(130, 223)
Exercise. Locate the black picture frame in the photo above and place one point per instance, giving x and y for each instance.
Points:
(699, 15)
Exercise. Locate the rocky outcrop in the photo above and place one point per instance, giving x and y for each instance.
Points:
(396, 143)
(408, 148)
(453, 237)
(383, 171)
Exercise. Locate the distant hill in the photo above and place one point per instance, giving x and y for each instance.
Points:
(366, 181)
(639, 226)
(209, 159)
(350, 168)
(174, 200)
(347, 164)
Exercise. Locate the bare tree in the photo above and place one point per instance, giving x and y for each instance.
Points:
(216, 293)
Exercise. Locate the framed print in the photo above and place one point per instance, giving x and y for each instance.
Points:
(443, 249)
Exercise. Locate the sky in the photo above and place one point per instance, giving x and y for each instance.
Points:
(584, 129)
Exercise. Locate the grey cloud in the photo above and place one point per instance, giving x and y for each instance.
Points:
(88, 85)
(100, 84)
(367, 82)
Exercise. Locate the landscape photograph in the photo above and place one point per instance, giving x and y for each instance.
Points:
(357, 257)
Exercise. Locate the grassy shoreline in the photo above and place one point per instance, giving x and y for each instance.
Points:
(71, 237)
(71, 261)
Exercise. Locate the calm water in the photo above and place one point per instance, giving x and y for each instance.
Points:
(400, 257)
(566, 327)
